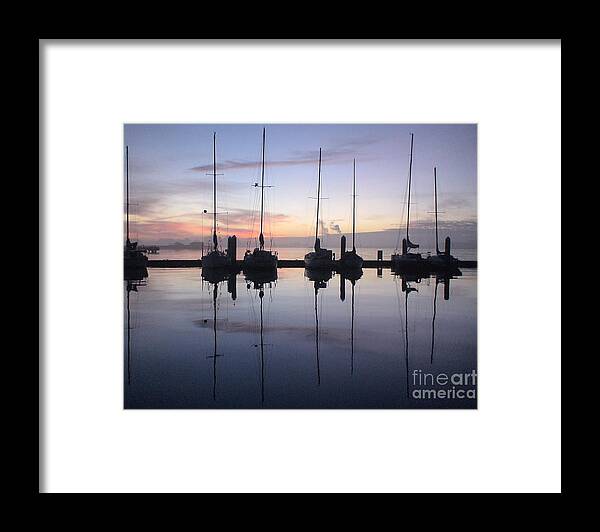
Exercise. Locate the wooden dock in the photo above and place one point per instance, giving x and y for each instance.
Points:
(281, 263)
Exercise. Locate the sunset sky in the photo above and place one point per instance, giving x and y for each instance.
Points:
(169, 185)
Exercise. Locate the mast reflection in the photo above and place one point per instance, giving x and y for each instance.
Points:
(352, 277)
(258, 280)
(406, 280)
(132, 283)
(319, 278)
(445, 280)
(214, 277)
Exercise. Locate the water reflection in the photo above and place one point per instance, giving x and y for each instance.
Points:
(131, 285)
(352, 276)
(213, 277)
(215, 355)
(257, 281)
(407, 288)
(319, 279)
(445, 281)
(407, 281)
(267, 350)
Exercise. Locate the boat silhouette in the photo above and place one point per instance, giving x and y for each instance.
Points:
(320, 258)
(215, 259)
(442, 260)
(407, 260)
(260, 259)
(135, 261)
(351, 260)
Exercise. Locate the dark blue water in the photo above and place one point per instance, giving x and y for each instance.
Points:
(378, 342)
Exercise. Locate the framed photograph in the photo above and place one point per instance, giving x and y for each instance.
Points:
(265, 261)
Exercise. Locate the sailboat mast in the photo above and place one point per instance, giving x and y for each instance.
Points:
(318, 200)
(262, 193)
(354, 206)
(215, 190)
(127, 193)
(437, 247)
(409, 185)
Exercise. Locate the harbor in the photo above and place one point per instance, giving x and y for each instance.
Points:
(218, 261)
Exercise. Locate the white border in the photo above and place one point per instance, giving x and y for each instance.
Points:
(512, 443)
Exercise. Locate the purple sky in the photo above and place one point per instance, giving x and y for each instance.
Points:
(170, 188)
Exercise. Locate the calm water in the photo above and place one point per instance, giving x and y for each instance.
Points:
(375, 343)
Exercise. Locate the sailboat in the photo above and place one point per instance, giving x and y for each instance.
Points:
(135, 260)
(216, 258)
(442, 260)
(350, 260)
(320, 258)
(260, 259)
(407, 259)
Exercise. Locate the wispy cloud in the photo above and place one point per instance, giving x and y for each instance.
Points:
(335, 228)
(339, 152)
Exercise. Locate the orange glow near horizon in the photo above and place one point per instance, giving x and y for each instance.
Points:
(150, 231)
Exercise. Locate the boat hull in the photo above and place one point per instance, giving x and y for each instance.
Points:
(441, 263)
(318, 276)
(135, 273)
(351, 275)
(134, 263)
(350, 261)
(134, 259)
(319, 260)
(216, 260)
(216, 275)
(260, 260)
(260, 277)
(408, 262)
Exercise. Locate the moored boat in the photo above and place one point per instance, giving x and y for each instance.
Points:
(407, 260)
(134, 259)
(261, 259)
(320, 258)
(216, 259)
(442, 260)
(351, 260)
